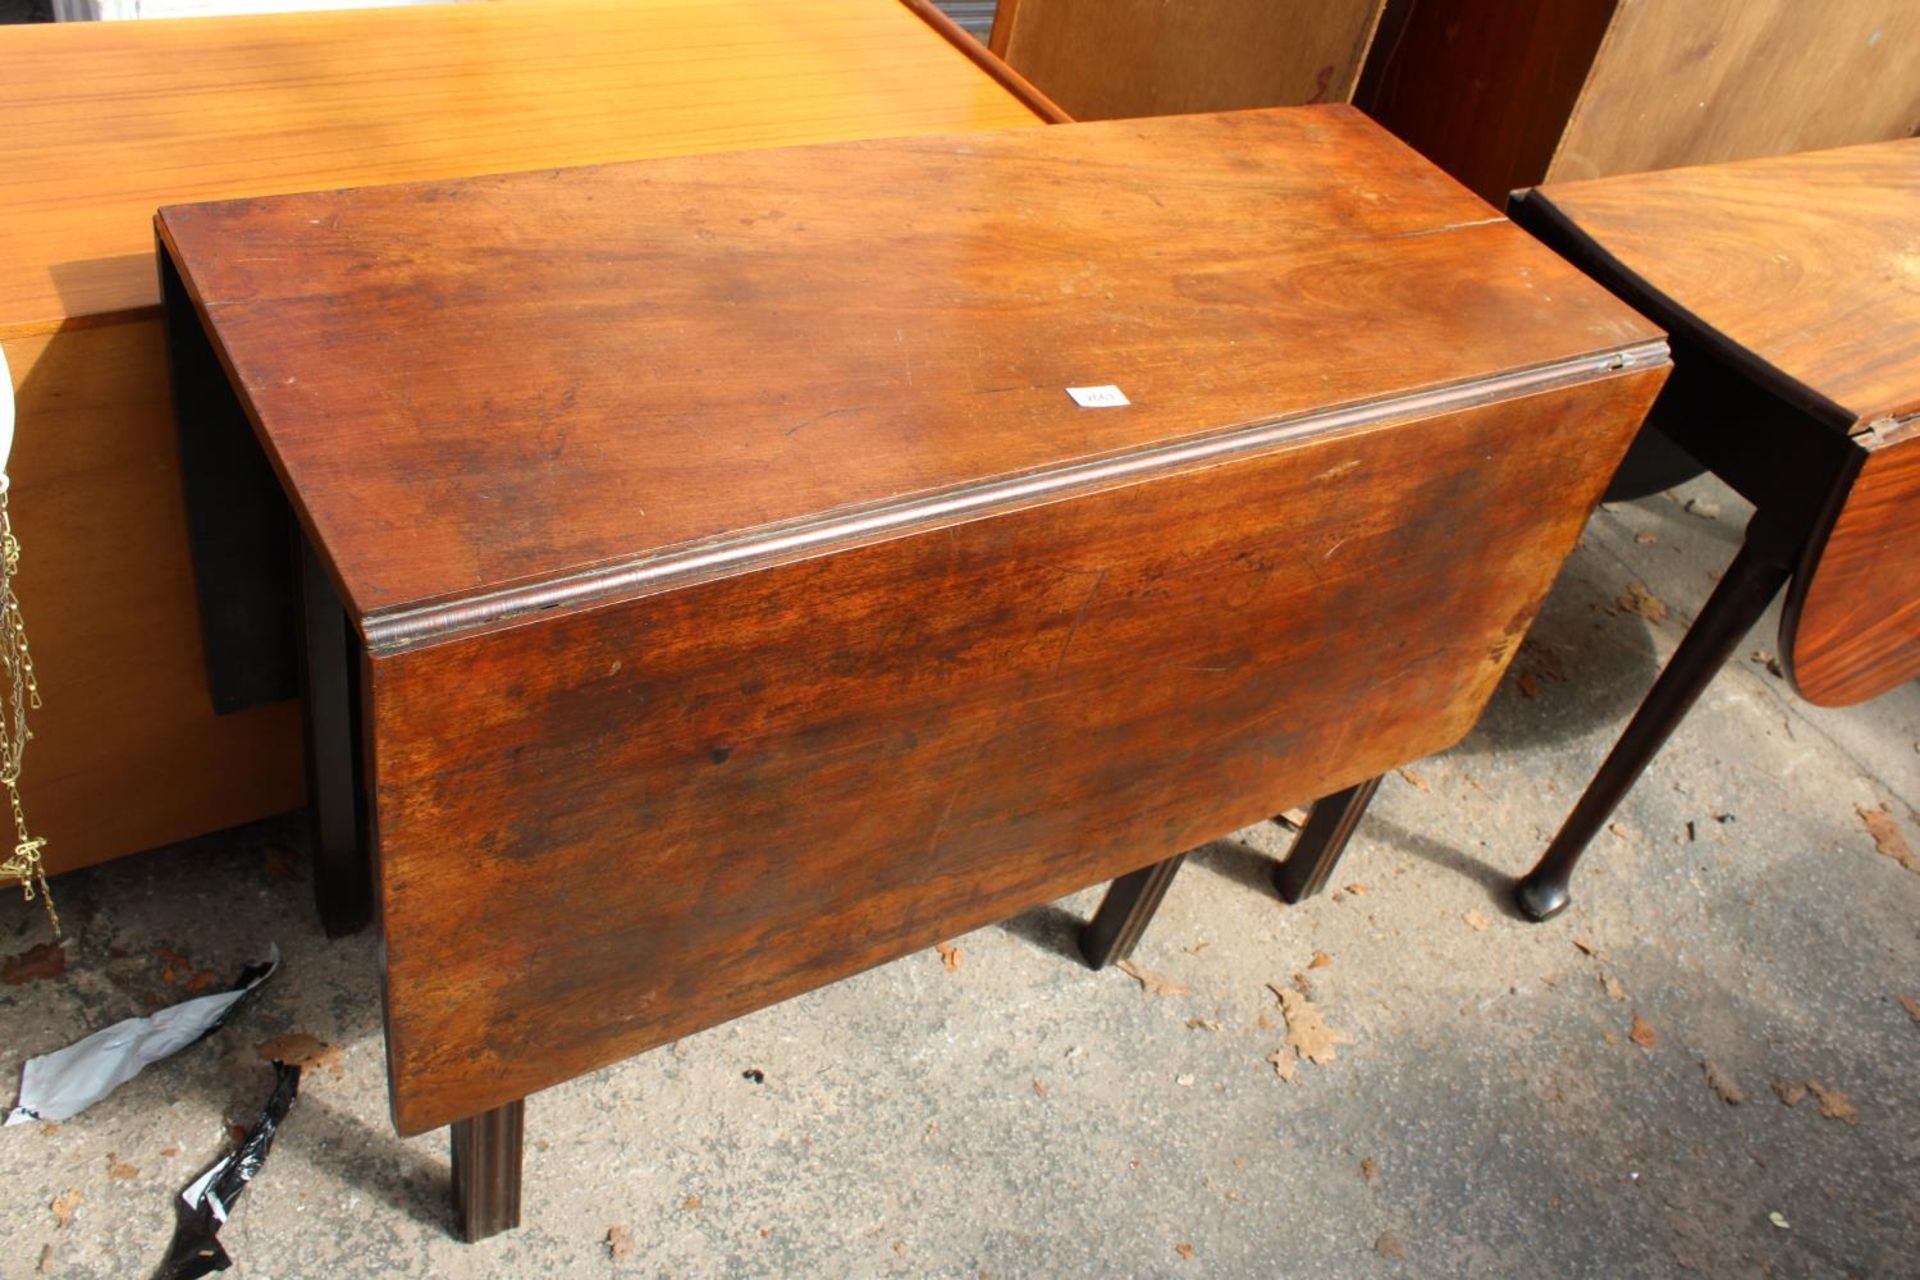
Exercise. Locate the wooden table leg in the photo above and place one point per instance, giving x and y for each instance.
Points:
(1123, 915)
(1317, 849)
(342, 870)
(1749, 586)
(486, 1171)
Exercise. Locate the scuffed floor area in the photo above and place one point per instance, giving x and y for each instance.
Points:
(1704, 1067)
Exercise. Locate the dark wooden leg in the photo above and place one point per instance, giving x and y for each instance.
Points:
(1317, 849)
(1123, 915)
(486, 1171)
(342, 872)
(1751, 582)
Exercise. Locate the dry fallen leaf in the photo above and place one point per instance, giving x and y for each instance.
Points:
(1154, 984)
(1040, 1087)
(1320, 960)
(1642, 1033)
(1285, 1063)
(1414, 779)
(1357, 890)
(168, 1153)
(298, 1049)
(47, 960)
(1529, 685)
(1834, 1105)
(1613, 986)
(46, 1260)
(1911, 1005)
(1722, 1083)
(1388, 1245)
(1369, 1168)
(119, 1170)
(1643, 602)
(1185, 1251)
(692, 1202)
(1646, 538)
(1477, 922)
(619, 1242)
(949, 955)
(64, 1205)
(1307, 1032)
(1586, 946)
(1887, 836)
(1791, 1092)
(1202, 1024)
(283, 864)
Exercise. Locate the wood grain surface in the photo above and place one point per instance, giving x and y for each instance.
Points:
(1690, 82)
(1808, 266)
(1124, 58)
(108, 121)
(1852, 625)
(718, 344)
(604, 830)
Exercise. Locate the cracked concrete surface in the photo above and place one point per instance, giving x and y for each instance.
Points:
(1020, 1116)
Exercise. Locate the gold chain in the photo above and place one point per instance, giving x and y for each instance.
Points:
(22, 691)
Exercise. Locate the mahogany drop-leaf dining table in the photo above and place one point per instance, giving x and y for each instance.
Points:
(724, 574)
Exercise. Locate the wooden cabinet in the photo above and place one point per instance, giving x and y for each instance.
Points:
(1510, 93)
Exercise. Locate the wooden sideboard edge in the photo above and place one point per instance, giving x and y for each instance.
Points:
(989, 62)
(1534, 211)
(394, 630)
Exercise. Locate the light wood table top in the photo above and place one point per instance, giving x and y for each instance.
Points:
(201, 109)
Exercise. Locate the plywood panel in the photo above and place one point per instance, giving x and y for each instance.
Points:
(1683, 82)
(1121, 58)
(127, 752)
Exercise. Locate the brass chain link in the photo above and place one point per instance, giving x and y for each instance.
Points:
(22, 690)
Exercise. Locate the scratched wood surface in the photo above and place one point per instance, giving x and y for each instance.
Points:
(722, 343)
(666, 812)
(106, 122)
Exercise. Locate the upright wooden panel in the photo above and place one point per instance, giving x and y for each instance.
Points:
(1853, 616)
(1688, 82)
(665, 812)
(1147, 57)
(1483, 88)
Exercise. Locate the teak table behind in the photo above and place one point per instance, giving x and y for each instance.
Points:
(1792, 288)
(106, 122)
(674, 503)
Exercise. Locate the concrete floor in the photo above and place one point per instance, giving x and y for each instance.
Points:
(1018, 1115)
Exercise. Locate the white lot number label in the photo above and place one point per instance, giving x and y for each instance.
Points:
(1098, 397)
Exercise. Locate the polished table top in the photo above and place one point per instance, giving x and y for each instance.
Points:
(490, 395)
